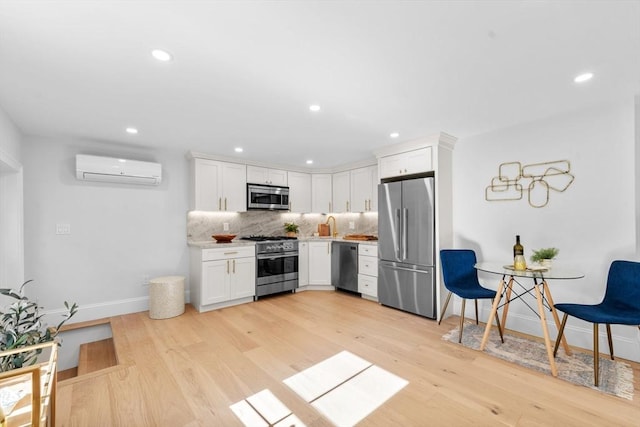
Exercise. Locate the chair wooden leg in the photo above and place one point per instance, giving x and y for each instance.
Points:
(560, 332)
(446, 304)
(610, 341)
(461, 320)
(476, 302)
(499, 327)
(596, 355)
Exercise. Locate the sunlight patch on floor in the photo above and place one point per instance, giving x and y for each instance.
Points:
(343, 388)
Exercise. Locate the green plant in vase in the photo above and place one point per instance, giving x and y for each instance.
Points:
(544, 256)
(21, 326)
(291, 228)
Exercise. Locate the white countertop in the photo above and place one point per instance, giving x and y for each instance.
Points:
(336, 239)
(205, 244)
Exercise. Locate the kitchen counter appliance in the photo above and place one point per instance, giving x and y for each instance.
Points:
(267, 197)
(344, 265)
(406, 245)
(276, 264)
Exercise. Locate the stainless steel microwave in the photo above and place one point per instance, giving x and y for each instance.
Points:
(269, 197)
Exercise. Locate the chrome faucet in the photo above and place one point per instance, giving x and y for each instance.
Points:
(335, 228)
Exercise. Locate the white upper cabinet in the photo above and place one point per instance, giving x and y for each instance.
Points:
(409, 162)
(234, 187)
(218, 186)
(341, 192)
(205, 185)
(299, 192)
(321, 193)
(258, 175)
(364, 189)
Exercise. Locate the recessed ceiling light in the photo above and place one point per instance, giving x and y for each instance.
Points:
(132, 131)
(161, 55)
(309, 162)
(394, 134)
(239, 149)
(583, 77)
(314, 107)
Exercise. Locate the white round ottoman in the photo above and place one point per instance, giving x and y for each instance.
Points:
(166, 297)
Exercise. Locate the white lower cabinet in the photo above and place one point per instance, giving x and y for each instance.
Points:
(320, 263)
(303, 264)
(368, 270)
(221, 277)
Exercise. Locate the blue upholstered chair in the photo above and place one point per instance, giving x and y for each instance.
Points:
(620, 306)
(461, 278)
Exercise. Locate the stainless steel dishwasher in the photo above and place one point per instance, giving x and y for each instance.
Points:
(344, 265)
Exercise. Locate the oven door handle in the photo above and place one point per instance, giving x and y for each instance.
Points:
(287, 255)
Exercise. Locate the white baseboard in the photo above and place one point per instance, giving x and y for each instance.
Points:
(316, 288)
(101, 310)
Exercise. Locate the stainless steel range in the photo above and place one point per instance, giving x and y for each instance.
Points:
(276, 264)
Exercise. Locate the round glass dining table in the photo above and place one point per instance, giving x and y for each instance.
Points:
(535, 282)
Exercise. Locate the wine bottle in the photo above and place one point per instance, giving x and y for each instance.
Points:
(519, 263)
(518, 249)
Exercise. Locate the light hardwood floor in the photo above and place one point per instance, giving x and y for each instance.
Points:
(188, 370)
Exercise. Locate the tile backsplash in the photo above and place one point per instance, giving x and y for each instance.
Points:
(201, 225)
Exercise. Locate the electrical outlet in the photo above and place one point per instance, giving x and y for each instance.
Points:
(225, 226)
(63, 228)
(145, 280)
(352, 225)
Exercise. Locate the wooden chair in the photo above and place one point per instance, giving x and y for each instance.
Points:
(38, 383)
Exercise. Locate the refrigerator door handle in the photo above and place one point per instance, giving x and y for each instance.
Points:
(399, 234)
(412, 270)
(405, 221)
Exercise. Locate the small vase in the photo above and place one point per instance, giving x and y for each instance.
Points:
(546, 263)
(291, 234)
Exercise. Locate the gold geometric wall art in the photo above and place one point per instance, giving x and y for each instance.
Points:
(537, 180)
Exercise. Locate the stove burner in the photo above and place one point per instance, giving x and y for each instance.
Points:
(258, 238)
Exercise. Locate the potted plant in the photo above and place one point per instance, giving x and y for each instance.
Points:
(21, 326)
(544, 256)
(291, 228)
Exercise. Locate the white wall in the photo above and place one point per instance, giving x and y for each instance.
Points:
(11, 224)
(9, 138)
(592, 223)
(637, 175)
(120, 234)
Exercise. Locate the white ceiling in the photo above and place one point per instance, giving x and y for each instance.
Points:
(245, 72)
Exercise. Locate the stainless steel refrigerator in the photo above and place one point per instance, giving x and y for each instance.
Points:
(406, 228)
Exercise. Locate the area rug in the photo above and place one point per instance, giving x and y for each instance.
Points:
(616, 377)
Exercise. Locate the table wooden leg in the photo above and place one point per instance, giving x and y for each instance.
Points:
(545, 331)
(505, 309)
(567, 349)
(494, 310)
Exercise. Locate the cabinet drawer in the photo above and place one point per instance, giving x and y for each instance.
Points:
(228, 253)
(368, 285)
(368, 250)
(368, 265)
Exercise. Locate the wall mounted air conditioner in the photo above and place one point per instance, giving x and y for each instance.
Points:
(122, 171)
